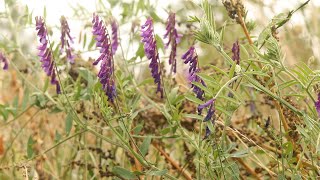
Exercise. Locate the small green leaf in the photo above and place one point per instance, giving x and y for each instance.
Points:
(159, 42)
(69, 121)
(193, 116)
(84, 40)
(30, 147)
(231, 72)
(137, 129)
(123, 173)
(157, 173)
(57, 137)
(155, 17)
(193, 99)
(91, 44)
(140, 51)
(165, 130)
(145, 145)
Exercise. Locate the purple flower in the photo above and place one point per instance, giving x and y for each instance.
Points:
(208, 132)
(191, 58)
(45, 53)
(150, 49)
(317, 105)
(174, 39)
(115, 41)
(236, 52)
(106, 73)
(66, 39)
(4, 60)
(211, 110)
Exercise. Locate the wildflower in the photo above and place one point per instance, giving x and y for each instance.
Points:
(106, 67)
(208, 132)
(66, 39)
(4, 60)
(211, 110)
(115, 41)
(174, 39)
(317, 105)
(236, 52)
(150, 48)
(191, 58)
(45, 53)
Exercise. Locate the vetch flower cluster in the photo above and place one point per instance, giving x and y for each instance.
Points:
(191, 58)
(106, 73)
(115, 40)
(173, 40)
(4, 60)
(210, 114)
(45, 53)
(236, 52)
(211, 109)
(150, 48)
(66, 39)
(317, 105)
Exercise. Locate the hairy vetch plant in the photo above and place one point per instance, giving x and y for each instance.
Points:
(45, 53)
(151, 51)
(106, 72)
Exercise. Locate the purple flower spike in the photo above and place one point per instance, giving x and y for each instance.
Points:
(317, 105)
(115, 40)
(211, 110)
(150, 49)
(66, 39)
(45, 53)
(106, 73)
(174, 39)
(191, 58)
(236, 52)
(4, 60)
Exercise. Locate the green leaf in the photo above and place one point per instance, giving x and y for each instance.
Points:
(30, 147)
(57, 137)
(45, 12)
(92, 42)
(140, 51)
(165, 130)
(69, 121)
(155, 17)
(242, 153)
(84, 40)
(145, 145)
(193, 116)
(137, 129)
(157, 173)
(193, 99)
(287, 84)
(233, 67)
(123, 173)
(159, 42)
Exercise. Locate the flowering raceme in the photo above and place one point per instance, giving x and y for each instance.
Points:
(115, 41)
(174, 39)
(4, 60)
(45, 53)
(191, 58)
(317, 105)
(107, 66)
(66, 39)
(236, 52)
(150, 48)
